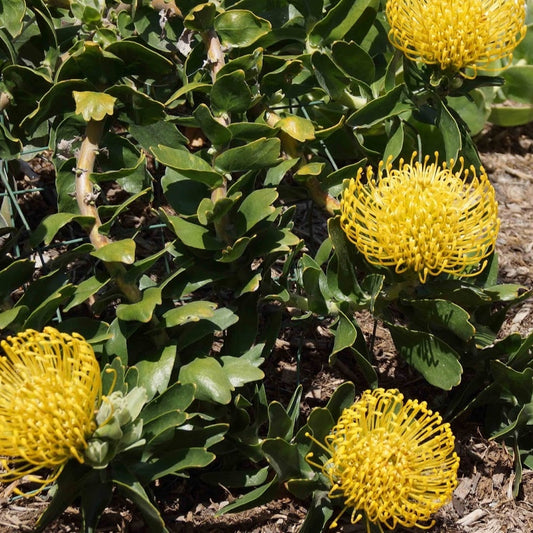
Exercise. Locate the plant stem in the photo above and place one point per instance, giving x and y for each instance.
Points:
(216, 60)
(85, 198)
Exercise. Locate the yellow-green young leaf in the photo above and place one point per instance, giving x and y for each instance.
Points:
(93, 105)
(121, 252)
(296, 127)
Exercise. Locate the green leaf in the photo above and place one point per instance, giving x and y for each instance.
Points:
(95, 497)
(255, 498)
(258, 154)
(192, 234)
(216, 132)
(285, 459)
(136, 107)
(120, 251)
(345, 335)
(14, 276)
(232, 252)
(175, 461)
(519, 384)
(176, 398)
(10, 146)
(518, 81)
(92, 330)
(240, 28)
(392, 104)
(131, 487)
(157, 133)
(11, 16)
(240, 371)
(86, 289)
(41, 315)
(320, 511)
(49, 226)
(437, 314)
(354, 61)
(329, 76)
(161, 424)
(221, 320)
(155, 370)
(280, 423)
(183, 194)
(450, 132)
(187, 164)
(189, 312)
(139, 60)
(255, 207)
(120, 160)
(506, 116)
(14, 315)
(68, 487)
(432, 357)
(342, 398)
(141, 311)
(117, 210)
(201, 17)
(339, 20)
(212, 383)
(231, 94)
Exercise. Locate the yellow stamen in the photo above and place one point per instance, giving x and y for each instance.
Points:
(392, 462)
(422, 218)
(456, 34)
(50, 386)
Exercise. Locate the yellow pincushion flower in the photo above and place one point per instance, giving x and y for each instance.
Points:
(50, 386)
(456, 34)
(391, 461)
(422, 217)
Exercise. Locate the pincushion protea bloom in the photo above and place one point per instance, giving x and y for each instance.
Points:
(50, 386)
(392, 462)
(456, 34)
(422, 217)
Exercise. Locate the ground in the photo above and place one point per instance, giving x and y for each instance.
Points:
(483, 501)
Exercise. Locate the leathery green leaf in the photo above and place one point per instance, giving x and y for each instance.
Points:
(176, 398)
(432, 357)
(241, 371)
(120, 252)
(189, 312)
(143, 310)
(47, 229)
(240, 28)
(212, 383)
(230, 93)
(261, 153)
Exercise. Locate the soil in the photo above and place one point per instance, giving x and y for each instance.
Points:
(483, 501)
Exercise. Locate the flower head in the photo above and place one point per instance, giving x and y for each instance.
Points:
(391, 461)
(456, 34)
(50, 386)
(422, 217)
